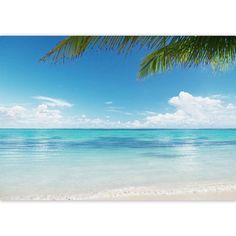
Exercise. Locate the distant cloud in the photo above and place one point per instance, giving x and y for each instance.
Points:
(108, 102)
(53, 102)
(190, 112)
(114, 109)
(118, 110)
(44, 114)
(195, 112)
(11, 115)
(12, 111)
(146, 113)
(47, 114)
(219, 96)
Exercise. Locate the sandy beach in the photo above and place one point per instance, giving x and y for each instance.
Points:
(210, 196)
(218, 192)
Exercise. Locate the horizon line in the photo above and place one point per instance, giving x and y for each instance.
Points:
(233, 128)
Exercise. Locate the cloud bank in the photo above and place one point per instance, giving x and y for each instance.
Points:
(195, 112)
(189, 112)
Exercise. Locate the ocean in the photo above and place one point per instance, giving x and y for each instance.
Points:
(62, 163)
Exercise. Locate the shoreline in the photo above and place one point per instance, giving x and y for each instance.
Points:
(216, 192)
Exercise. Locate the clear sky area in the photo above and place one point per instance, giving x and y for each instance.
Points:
(101, 90)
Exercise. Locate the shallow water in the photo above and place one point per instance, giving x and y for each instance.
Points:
(55, 161)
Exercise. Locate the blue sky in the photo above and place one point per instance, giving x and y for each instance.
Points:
(101, 90)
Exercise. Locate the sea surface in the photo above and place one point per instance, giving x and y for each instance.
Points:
(35, 163)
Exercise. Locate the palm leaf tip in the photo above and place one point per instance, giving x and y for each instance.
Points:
(188, 51)
(76, 46)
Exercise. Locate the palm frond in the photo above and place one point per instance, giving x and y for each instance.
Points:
(218, 51)
(75, 46)
(167, 51)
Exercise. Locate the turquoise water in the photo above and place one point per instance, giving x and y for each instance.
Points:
(49, 161)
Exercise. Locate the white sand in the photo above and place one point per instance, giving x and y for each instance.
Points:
(206, 192)
(217, 192)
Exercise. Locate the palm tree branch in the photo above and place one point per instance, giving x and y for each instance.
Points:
(76, 46)
(189, 51)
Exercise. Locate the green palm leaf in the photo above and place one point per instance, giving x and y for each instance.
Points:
(75, 46)
(167, 51)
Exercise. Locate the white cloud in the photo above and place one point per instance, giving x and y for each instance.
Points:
(146, 113)
(12, 112)
(108, 102)
(53, 102)
(190, 112)
(195, 112)
(219, 96)
(45, 115)
(12, 116)
(118, 110)
(41, 116)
